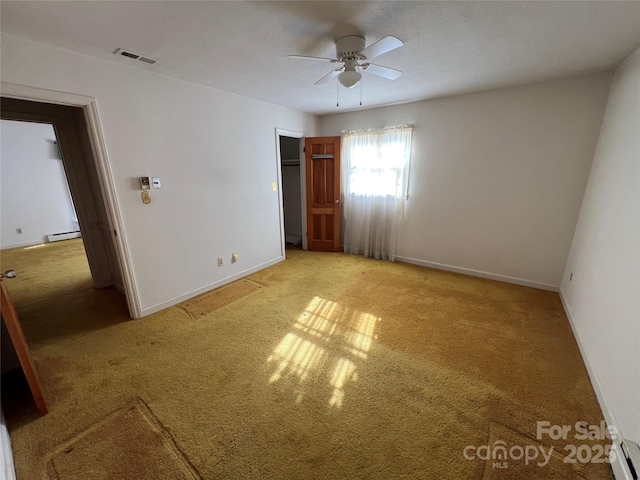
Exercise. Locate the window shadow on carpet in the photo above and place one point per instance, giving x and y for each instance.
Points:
(327, 343)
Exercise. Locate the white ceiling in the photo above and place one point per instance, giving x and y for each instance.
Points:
(240, 47)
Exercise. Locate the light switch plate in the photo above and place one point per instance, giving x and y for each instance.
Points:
(146, 197)
(155, 181)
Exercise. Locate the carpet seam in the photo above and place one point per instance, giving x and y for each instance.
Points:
(165, 433)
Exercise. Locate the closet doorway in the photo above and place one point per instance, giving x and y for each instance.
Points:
(290, 146)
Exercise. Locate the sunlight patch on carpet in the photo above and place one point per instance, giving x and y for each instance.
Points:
(129, 443)
(326, 339)
(35, 246)
(206, 303)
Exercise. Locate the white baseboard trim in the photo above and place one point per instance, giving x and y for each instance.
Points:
(211, 286)
(24, 244)
(479, 273)
(619, 466)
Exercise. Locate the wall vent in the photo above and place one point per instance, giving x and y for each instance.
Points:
(134, 56)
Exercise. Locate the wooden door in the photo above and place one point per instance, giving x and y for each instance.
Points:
(10, 318)
(322, 161)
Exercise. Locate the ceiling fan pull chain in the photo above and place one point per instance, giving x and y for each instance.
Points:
(337, 93)
(361, 82)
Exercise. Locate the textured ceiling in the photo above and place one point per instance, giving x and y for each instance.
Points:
(240, 47)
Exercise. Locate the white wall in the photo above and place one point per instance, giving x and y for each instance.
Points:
(497, 177)
(34, 194)
(215, 153)
(603, 297)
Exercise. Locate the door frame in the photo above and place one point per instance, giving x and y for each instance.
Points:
(103, 170)
(281, 132)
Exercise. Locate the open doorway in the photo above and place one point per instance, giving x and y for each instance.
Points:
(74, 145)
(290, 150)
(67, 289)
(63, 287)
(291, 190)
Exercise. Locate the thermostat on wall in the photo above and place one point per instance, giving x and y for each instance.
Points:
(144, 183)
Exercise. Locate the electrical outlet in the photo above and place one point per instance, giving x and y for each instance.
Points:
(234, 257)
(19, 231)
(220, 261)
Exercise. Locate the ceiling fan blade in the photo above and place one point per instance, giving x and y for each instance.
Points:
(329, 76)
(381, 46)
(304, 57)
(386, 72)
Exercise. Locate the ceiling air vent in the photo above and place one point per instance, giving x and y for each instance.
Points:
(135, 56)
(148, 60)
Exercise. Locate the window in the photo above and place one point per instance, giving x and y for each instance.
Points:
(377, 163)
(375, 177)
(377, 171)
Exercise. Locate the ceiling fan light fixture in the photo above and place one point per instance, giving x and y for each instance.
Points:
(354, 57)
(349, 78)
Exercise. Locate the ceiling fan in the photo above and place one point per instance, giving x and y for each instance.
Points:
(354, 57)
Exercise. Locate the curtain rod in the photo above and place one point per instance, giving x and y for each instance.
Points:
(372, 130)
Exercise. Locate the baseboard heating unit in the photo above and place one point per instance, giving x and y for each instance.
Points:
(56, 237)
(627, 465)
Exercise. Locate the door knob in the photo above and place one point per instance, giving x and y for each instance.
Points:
(8, 274)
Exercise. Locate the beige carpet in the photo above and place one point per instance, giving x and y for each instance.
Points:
(340, 367)
(46, 271)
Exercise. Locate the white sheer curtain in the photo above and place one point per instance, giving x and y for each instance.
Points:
(375, 176)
